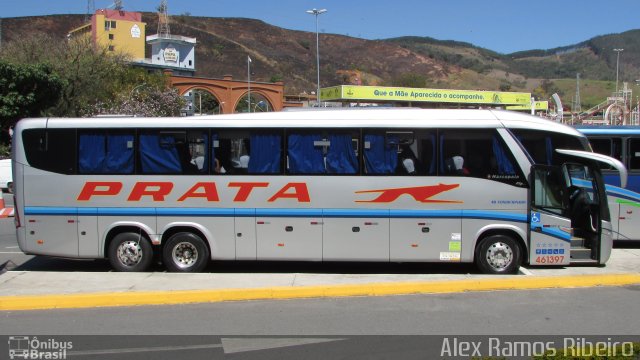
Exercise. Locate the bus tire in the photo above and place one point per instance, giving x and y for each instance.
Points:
(185, 252)
(130, 252)
(498, 254)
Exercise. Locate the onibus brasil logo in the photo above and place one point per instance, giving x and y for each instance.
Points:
(30, 347)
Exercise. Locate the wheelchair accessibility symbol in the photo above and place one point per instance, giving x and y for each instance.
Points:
(535, 217)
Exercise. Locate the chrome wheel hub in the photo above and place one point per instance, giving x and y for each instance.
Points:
(130, 253)
(184, 254)
(499, 255)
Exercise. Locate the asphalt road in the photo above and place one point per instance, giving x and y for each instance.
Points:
(611, 310)
(365, 327)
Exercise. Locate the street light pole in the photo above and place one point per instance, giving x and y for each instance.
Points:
(617, 67)
(248, 84)
(317, 12)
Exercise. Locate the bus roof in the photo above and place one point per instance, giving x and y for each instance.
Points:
(339, 118)
(609, 129)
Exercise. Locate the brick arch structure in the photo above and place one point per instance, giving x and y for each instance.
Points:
(228, 92)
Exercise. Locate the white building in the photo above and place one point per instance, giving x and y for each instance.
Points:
(173, 52)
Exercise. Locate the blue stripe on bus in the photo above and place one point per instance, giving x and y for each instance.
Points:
(266, 212)
(50, 210)
(353, 213)
(553, 232)
(619, 192)
(288, 212)
(223, 212)
(127, 211)
(479, 214)
(613, 191)
(610, 131)
(425, 213)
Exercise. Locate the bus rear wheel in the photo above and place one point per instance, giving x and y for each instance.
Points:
(185, 252)
(498, 254)
(130, 252)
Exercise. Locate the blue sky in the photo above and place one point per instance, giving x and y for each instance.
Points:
(504, 26)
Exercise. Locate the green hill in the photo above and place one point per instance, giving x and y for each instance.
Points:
(277, 53)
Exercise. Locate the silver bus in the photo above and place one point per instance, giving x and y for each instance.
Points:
(384, 185)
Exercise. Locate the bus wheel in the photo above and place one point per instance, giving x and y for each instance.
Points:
(498, 254)
(185, 252)
(130, 252)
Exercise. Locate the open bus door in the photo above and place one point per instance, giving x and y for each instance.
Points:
(569, 219)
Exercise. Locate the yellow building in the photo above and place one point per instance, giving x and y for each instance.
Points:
(116, 30)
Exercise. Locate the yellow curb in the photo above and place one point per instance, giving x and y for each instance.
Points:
(172, 297)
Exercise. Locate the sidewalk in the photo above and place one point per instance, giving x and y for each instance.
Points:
(27, 290)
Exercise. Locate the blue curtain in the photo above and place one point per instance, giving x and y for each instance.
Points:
(304, 157)
(443, 167)
(380, 157)
(505, 167)
(158, 155)
(432, 167)
(105, 154)
(265, 153)
(92, 153)
(341, 159)
(119, 154)
(549, 147)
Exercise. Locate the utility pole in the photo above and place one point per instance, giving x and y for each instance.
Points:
(248, 83)
(617, 68)
(163, 20)
(577, 107)
(317, 12)
(91, 9)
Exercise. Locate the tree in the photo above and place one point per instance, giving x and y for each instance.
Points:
(26, 91)
(151, 102)
(546, 89)
(89, 74)
(94, 79)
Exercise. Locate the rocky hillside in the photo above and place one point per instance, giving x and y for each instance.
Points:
(280, 54)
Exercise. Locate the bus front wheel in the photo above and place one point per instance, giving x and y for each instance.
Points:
(185, 252)
(498, 254)
(130, 252)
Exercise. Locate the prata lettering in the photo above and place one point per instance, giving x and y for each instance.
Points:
(159, 191)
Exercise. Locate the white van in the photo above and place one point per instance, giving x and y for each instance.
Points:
(6, 177)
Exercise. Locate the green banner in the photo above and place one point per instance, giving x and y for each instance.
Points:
(377, 93)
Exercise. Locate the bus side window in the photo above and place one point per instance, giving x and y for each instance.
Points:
(232, 152)
(634, 154)
(601, 145)
(316, 153)
(51, 149)
(341, 157)
(477, 153)
(253, 152)
(105, 152)
(453, 152)
(610, 147)
(163, 152)
(427, 154)
(265, 153)
(379, 156)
